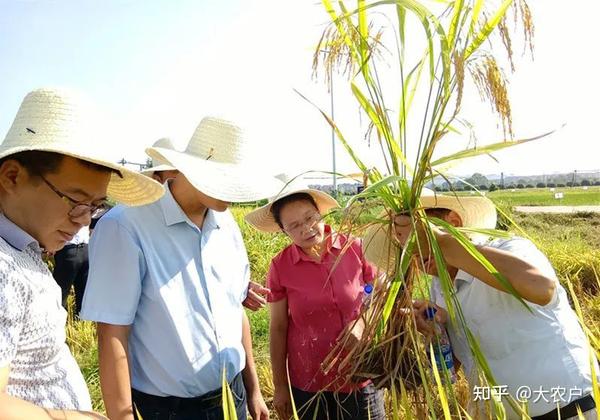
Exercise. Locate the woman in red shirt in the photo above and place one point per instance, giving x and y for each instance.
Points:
(317, 285)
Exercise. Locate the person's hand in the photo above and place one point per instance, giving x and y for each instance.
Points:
(257, 407)
(403, 226)
(282, 402)
(424, 325)
(256, 297)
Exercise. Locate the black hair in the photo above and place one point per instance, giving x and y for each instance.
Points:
(278, 205)
(438, 212)
(40, 163)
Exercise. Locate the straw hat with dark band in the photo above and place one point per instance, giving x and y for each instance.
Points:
(475, 212)
(215, 162)
(59, 121)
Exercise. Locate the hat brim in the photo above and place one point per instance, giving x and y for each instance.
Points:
(475, 212)
(157, 168)
(263, 220)
(223, 181)
(132, 189)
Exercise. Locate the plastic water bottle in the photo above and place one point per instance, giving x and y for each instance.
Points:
(441, 348)
(367, 295)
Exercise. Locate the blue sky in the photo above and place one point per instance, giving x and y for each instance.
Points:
(157, 67)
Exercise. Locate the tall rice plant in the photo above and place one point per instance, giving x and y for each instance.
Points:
(408, 125)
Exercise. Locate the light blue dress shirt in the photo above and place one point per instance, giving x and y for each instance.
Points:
(179, 287)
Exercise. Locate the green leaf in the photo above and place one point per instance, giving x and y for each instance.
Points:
(463, 154)
(477, 7)
(456, 12)
(488, 28)
(229, 412)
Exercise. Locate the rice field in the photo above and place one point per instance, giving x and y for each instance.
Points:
(575, 196)
(572, 243)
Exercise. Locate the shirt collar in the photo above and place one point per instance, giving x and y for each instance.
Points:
(171, 210)
(333, 241)
(14, 235)
(462, 277)
(173, 214)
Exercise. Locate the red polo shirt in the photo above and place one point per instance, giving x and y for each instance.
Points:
(322, 300)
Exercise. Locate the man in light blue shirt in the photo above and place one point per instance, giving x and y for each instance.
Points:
(166, 286)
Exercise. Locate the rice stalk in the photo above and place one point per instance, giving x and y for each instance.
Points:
(392, 353)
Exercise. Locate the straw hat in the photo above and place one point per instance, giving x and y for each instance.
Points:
(475, 212)
(263, 220)
(59, 121)
(158, 164)
(215, 162)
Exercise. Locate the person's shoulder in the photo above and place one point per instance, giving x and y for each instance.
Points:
(526, 250)
(129, 216)
(9, 256)
(515, 244)
(284, 256)
(11, 272)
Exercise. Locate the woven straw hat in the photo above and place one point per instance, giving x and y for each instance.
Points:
(59, 121)
(263, 220)
(475, 212)
(215, 162)
(158, 164)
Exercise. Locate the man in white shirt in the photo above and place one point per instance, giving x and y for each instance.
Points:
(53, 179)
(542, 348)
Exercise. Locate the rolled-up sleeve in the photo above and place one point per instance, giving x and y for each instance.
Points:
(117, 267)
(273, 282)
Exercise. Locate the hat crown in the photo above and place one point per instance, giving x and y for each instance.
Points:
(218, 140)
(165, 143)
(50, 113)
(60, 121)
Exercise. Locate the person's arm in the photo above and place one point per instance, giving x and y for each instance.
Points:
(531, 284)
(256, 403)
(278, 349)
(114, 370)
(112, 294)
(12, 408)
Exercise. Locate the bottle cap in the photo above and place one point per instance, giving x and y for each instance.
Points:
(430, 312)
(368, 288)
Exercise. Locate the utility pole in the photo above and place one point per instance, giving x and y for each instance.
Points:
(332, 132)
(334, 170)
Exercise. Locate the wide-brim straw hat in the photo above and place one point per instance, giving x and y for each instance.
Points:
(476, 212)
(60, 121)
(262, 218)
(159, 165)
(216, 163)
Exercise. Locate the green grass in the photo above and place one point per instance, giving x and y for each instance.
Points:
(576, 196)
(572, 242)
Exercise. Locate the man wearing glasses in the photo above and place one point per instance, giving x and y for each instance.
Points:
(71, 263)
(53, 180)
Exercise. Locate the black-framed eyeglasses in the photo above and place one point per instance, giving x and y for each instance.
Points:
(78, 209)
